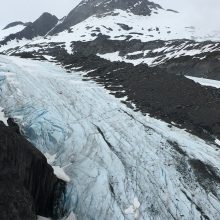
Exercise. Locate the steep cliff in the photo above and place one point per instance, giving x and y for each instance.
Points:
(28, 185)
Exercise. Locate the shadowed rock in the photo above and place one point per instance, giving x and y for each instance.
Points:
(28, 186)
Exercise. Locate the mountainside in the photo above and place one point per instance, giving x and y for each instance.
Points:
(88, 8)
(28, 185)
(40, 27)
(11, 28)
(130, 119)
(16, 23)
(137, 32)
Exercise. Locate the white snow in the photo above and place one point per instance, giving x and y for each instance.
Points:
(72, 216)
(133, 209)
(163, 25)
(60, 173)
(50, 158)
(13, 44)
(115, 57)
(217, 142)
(12, 30)
(169, 52)
(2, 116)
(205, 82)
(116, 159)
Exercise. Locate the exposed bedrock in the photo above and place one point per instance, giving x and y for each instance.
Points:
(28, 186)
(40, 27)
(205, 64)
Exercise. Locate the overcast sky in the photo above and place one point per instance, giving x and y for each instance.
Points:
(206, 12)
(29, 10)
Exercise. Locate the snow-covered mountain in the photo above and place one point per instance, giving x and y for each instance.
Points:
(40, 27)
(136, 31)
(12, 28)
(88, 8)
(127, 120)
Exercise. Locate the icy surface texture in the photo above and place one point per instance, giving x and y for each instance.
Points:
(121, 164)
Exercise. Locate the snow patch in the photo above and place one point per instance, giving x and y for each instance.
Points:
(72, 216)
(133, 209)
(50, 158)
(205, 82)
(217, 142)
(3, 117)
(4, 33)
(60, 173)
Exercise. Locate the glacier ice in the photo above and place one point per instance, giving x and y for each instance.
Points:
(122, 165)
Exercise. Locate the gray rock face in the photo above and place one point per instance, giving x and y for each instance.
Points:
(38, 28)
(13, 24)
(88, 8)
(28, 185)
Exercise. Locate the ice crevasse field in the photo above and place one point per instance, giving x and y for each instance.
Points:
(118, 164)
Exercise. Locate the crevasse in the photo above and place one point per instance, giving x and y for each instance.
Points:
(121, 164)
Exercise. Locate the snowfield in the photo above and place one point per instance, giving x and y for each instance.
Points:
(12, 30)
(169, 52)
(205, 82)
(162, 24)
(121, 165)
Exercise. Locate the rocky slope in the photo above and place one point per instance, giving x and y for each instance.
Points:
(16, 23)
(11, 28)
(89, 8)
(28, 186)
(137, 32)
(147, 26)
(40, 27)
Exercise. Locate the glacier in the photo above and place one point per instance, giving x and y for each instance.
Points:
(121, 164)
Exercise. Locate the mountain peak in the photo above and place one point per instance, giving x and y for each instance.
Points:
(13, 24)
(88, 8)
(40, 27)
(46, 17)
(141, 7)
(47, 14)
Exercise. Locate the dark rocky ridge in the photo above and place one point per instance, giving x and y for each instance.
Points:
(98, 7)
(40, 27)
(208, 67)
(28, 186)
(13, 24)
